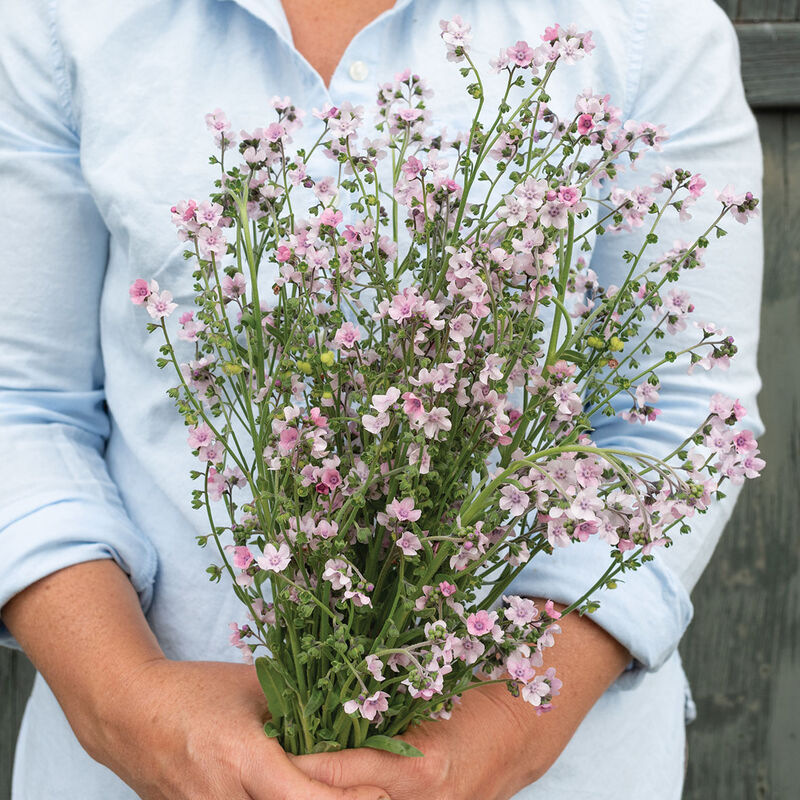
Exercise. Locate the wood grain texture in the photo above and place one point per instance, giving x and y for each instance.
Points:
(770, 54)
(742, 652)
(16, 676)
(762, 10)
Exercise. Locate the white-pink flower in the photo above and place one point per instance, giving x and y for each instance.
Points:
(513, 500)
(435, 420)
(375, 423)
(159, 304)
(521, 611)
(409, 543)
(403, 510)
(337, 573)
(382, 402)
(519, 667)
(375, 667)
(369, 707)
(274, 558)
(199, 436)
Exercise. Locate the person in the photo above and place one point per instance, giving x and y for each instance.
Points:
(101, 581)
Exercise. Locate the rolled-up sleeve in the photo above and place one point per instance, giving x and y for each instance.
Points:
(58, 504)
(683, 72)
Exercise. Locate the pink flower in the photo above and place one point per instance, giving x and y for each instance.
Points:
(242, 557)
(437, 419)
(513, 500)
(347, 336)
(234, 287)
(331, 217)
(369, 707)
(208, 214)
(331, 478)
(585, 124)
(326, 530)
(216, 485)
(382, 402)
(288, 440)
(317, 418)
(325, 189)
(519, 667)
(460, 327)
(551, 611)
(520, 54)
(404, 305)
(409, 543)
(375, 424)
(481, 623)
(521, 611)
(413, 406)
(468, 650)
(696, 185)
(159, 305)
(211, 241)
(337, 573)
(569, 195)
(457, 35)
(199, 436)
(375, 667)
(139, 291)
(274, 558)
(403, 510)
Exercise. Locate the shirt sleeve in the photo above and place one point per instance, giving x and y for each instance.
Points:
(58, 504)
(684, 73)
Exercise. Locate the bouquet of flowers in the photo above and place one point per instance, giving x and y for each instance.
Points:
(390, 378)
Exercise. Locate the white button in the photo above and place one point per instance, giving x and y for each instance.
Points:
(358, 71)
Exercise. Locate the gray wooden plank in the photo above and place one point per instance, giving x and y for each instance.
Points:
(742, 652)
(770, 55)
(762, 10)
(731, 7)
(16, 675)
(790, 10)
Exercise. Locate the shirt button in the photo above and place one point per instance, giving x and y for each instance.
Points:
(358, 71)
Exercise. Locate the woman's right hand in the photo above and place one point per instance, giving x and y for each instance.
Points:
(193, 730)
(172, 730)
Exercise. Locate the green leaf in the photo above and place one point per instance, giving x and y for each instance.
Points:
(326, 747)
(271, 731)
(271, 683)
(314, 703)
(397, 746)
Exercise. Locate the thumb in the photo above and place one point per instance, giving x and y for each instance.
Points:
(287, 782)
(351, 767)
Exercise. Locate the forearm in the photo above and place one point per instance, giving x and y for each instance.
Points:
(588, 660)
(84, 630)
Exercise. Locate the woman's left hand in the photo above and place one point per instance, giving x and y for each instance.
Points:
(494, 744)
(487, 750)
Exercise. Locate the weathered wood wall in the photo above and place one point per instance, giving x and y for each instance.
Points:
(742, 652)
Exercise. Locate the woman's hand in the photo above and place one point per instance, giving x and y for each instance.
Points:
(194, 731)
(494, 744)
(487, 750)
(172, 730)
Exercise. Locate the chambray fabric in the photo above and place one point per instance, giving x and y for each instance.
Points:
(101, 131)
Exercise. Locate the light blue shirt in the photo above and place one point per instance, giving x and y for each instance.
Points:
(101, 131)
